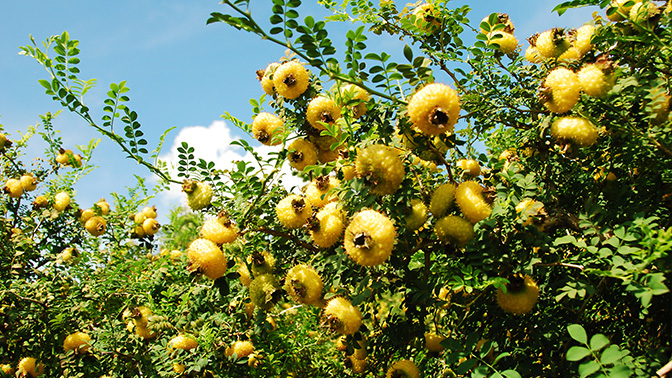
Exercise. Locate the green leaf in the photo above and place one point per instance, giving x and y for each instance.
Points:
(577, 353)
(598, 342)
(511, 374)
(611, 355)
(577, 333)
(588, 368)
(408, 53)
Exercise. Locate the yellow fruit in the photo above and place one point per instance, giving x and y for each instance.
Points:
(28, 368)
(529, 209)
(264, 291)
(594, 81)
(521, 296)
(293, 211)
(267, 78)
(207, 257)
(369, 238)
(13, 188)
(425, 19)
(67, 157)
(151, 226)
(267, 128)
(199, 194)
(506, 41)
(454, 229)
(659, 105)
(349, 172)
(572, 54)
(317, 192)
(354, 95)
(261, 262)
(560, 91)
(4, 142)
(434, 109)
(382, 168)
(139, 218)
(219, 230)
(147, 211)
(244, 274)
(532, 55)
(290, 79)
(301, 153)
(618, 11)
(96, 225)
(327, 226)
(641, 13)
(403, 369)
(575, 129)
(469, 197)
(86, 214)
(358, 366)
(469, 167)
(584, 35)
(61, 201)
(28, 182)
(179, 368)
(342, 317)
(240, 348)
(303, 284)
(322, 110)
(7, 369)
(552, 43)
(433, 342)
(500, 19)
(341, 343)
(182, 342)
(254, 360)
(416, 216)
(40, 202)
(442, 199)
(78, 341)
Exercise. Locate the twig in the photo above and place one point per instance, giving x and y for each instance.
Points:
(567, 265)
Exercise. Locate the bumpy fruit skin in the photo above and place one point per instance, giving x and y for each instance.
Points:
(575, 129)
(403, 368)
(242, 348)
(219, 230)
(469, 166)
(302, 153)
(266, 127)
(594, 81)
(182, 342)
(342, 316)
(290, 79)
(584, 34)
(572, 54)
(434, 109)
(417, 217)
(454, 229)
(382, 167)
(207, 257)
(40, 202)
(293, 211)
(369, 238)
(358, 366)
(354, 93)
(28, 182)
(327, 229)
(521, 296)
(96, 225)
(86, 215)
(622, 11)
(244, 274)
(561, 90)
(61, 201)
(469, 198)
(640, 13)
(263, 289)
(442, 199)
(433, 342)
(303, 284)
(7, 369)
(318, 189)
(199, 194)
(13, 188)
(322, 110)
(552, 43)
(532, 55)
(28, 368)
(78, 341)
(267, 79)
(261, 263)
(506, 41)
(139, 323)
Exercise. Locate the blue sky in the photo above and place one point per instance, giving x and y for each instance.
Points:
(181, 72)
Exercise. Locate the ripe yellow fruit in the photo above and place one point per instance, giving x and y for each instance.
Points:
(417, 215)
(86, 214)
(641, 12)
(532, 55)
(575, 129)
(78, 341)
(560, 91)
(147, 211)
(139, 322)
(358, 366)
(67, 157)
(13, 188)
(261, 262)
(442, 199)
(27, 367)
(317, 192)
(303, 284)
(61, 201)
(302, 153)
(28, 182)
(7, 369)
(96, 225)
(618, 11)
(454, 229)
(342, 317)
(382, 168)
(328, 225)
(594, 81)
(552, 43)
(322, 110)
(40, 202)
(521, 296)
(293, 211)
(151, 226)
(244, 274)
(266, 128)
(264, 291)
(4, 142)
(529, 209)
(207, 257)
(469, 197)
(572, 54)
(104, 207)
(506, 41)
(403, 369)
(199, 194)
(266, 78)
(434, 109)
(584, 35)
(469, 167)
(179, 368)
(500, 19)
(219, 230)
(353, 94)
(182, 342)
(433, 342)
(290, 79)
(369, 238)
(241, 348)
(425, 19)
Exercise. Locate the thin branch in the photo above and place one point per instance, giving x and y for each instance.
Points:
(566, 265)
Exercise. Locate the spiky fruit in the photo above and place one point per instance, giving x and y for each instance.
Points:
(151, 226)
(28, 182)
(469, 197)
(327, 227)
(341, 343)
(241, 348)
(521, 296)
(416, 216)
(469, 167)
(199, 194)
(317, 192)
(267, 78)
(207, 257)
(433, 342)
(594, 81)
(302, 153)
(324, 152)
(96, 225)
(382, 168)
(322, 110)
(454, 229)
(356, 98)
(28, 367)
(78, 341)
(619, 10)
(434, 109)
(572, 54)
(61, 201)
(293, 211)
(506, 41)
(442, 199)
(13, 188)
(369, 238)
(266, 128)
(641, 13)
(576, 129)
(182, 342)
(342, 317)
(290, 79)
(303, 284)
(7, 368)
(403, 369)
(261, 262)
(220, 230)
(139, 322)
(264, 291)
(560, 90)
(584, 35)
(552, 43)
(358, 366)
(244, 274)
(532, 55)
(498, 19)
